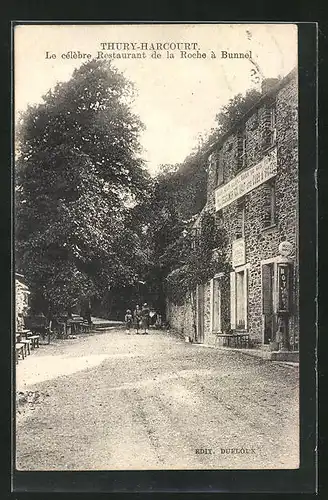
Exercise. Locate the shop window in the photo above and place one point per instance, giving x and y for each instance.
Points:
(269, 205)
(269, 126)
(238, 299)
(240, 219)
(241, 149)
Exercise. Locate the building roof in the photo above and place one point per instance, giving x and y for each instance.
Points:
(273, 90)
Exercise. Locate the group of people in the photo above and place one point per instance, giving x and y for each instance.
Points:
(139, 320)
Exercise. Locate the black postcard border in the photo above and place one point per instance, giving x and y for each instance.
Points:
(223, 481)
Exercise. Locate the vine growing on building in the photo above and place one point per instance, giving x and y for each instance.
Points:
(202, 255)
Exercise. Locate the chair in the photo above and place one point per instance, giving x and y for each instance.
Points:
(19, 351)
(27, 344)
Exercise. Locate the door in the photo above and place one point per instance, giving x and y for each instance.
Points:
(268, 302)
(200, 314)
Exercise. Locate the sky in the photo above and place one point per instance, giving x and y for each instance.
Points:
(177, 98)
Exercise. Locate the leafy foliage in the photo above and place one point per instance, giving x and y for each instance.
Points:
(77, 172)
(234, 110)
(179, 194)
(204, 256)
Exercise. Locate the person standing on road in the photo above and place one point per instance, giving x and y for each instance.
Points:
(145, 318)
(87, 314)
(128, 320)
(137, 318)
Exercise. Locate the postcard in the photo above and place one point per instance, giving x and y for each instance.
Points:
(156, 247)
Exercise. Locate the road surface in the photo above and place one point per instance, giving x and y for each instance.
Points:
(108, 401)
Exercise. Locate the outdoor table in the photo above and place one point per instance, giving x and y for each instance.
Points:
(75, 324)
(226, 338)
(34, 339)
(27, 343)
(237, 339)
(242, 339)
(25, 332)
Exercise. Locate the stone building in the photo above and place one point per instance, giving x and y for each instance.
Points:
(253, 194)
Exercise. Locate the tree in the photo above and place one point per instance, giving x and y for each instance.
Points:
(180, 193)
(176, 194)
(77, 168)
(232, 112)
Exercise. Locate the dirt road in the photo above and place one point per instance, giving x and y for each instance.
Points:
(113, 401)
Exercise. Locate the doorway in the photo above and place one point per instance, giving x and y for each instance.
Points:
(268, 286)
(200, 314)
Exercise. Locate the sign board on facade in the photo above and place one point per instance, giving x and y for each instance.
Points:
(285, 248)
(246, 181)
(238, 253)
(283, 287)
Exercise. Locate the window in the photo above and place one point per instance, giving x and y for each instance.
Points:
(267, 302)
(240, 219)
(219, 219)
(211, 162)
(195, 236)
(238, 299)
(269, 205)
(269, 125)
(241, 149)
(219, 172)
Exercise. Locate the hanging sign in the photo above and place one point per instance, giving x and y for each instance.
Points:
(285, 248)
(283, 288)
(246, 181)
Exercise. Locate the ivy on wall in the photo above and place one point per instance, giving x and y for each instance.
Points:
(199, 263)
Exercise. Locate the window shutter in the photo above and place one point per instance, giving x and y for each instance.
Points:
(240, 149)
(267, 205)
(268, 125)
(266, 290)
(240, 219)
(246, 297)
(266, 137)
(233, 300)
(219, 172)
(211, 304)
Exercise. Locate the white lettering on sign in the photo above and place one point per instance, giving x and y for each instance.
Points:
(246, 181)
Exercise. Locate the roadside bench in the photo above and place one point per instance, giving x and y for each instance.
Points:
(35, 340)
(30, 338)
(25, 342)
(77, 324)
(39, 327)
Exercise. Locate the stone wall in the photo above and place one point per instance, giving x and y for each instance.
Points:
(260, 243)
(181, 318)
